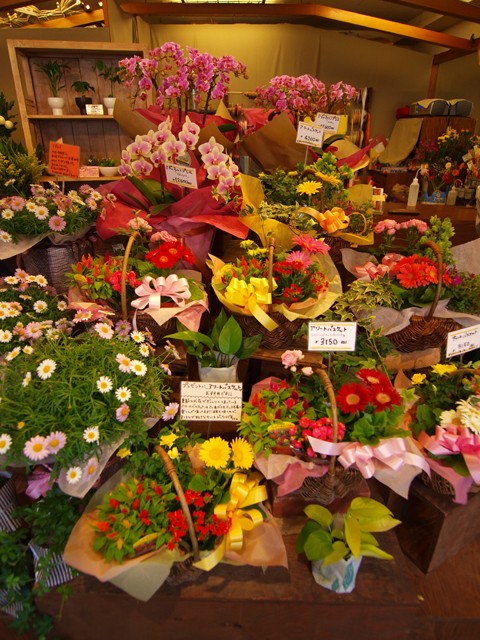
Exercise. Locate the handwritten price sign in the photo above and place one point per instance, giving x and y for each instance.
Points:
(332, 336)
(463, 340)
(309, 134)
(328, 121)
(183, 176)
(212, 401)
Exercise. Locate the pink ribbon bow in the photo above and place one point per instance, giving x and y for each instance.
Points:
(151, 290)
(455, 440)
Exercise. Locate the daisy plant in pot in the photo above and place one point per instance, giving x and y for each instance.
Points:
(335, 543)
(75, 400)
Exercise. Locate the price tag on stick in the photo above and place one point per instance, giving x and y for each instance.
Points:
(332, 336)
(309, 134)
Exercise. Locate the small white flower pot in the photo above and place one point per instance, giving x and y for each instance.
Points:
(108, 172)
(218, 374)
(56, 104)
(339, 576)
(109, 105)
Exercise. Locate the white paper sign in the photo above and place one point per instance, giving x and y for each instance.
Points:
(332, 336)
(94, 109)
(183, 176)
(214, 401)
(310, 134)
(463, 340)
(328, 121)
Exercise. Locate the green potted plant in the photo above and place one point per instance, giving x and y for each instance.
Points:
(82, 87)
(111, 75)
(107, 166)
(220, 349)
(335, 543)
(54, 71)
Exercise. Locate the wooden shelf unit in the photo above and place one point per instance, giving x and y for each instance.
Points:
(95, 135)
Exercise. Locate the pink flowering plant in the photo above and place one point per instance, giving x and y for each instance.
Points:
(73, 398)
(29, 310)
(304, 96)
(180, 79)
(48, 211)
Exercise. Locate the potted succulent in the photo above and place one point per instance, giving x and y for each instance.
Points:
(219, 351)
(111, 74)
(82, 87)
(335, 543)
(54, 71)
(107, 167)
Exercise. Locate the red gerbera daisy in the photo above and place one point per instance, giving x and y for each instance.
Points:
(384, 397)
(353, 397)
(372, 376)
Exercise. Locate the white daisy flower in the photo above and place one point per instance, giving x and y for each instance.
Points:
(5, 236)
(74, 475)
(28, 350)
(30, 206)
(41, 280)
(30, 278)
(137, 336)
(13, 354)
(7, 214)
(138, 368)
(62, 305)
(40, 306)
(46, 368)
(41, 213)
(11, 280)
(5, 336)
(91, 434)
(144, 350)
(123, 394)
(104, 384)
(5, 443)
(104, 330)
(26, 379)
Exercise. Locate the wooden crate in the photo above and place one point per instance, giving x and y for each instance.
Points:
(434, 529)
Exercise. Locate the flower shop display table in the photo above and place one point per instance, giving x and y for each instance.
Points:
(243, 603)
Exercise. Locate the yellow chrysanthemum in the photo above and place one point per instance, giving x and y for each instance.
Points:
(309, 188)
(242, 453)
(418, 378)
(215, 452)
(443, 369)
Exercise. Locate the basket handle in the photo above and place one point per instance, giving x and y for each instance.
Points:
(123, 291)
(328, 386)
(271, 249)
(170, 469)
(438, 254)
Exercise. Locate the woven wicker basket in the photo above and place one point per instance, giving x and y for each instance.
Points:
(426, 332)
(143, 320)
(440, 485)
(55, 260)
(338, 481)
(277, 338)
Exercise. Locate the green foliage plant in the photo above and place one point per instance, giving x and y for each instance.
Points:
(54, 71)
(110, 73)
(221, 345)
(82, 87)
(332, 537)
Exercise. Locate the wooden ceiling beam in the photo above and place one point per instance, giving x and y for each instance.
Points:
(9, 5)
(171, 12)
(453, 54)
(77, 20)
(451, 8)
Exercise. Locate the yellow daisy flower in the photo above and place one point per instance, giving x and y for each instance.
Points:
(242, 453)
(309, 188)
(215, 452)
(325, 177)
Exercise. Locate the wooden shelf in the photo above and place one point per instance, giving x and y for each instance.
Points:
(96, 135)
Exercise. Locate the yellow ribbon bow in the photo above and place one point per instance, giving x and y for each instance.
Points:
(333, 220)
(245, 491)
(250, 296)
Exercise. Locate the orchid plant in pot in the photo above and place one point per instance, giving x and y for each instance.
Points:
(336, 543)
(219, 351)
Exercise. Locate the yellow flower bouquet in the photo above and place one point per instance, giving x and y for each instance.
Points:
(267, 289)
(191, 501)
